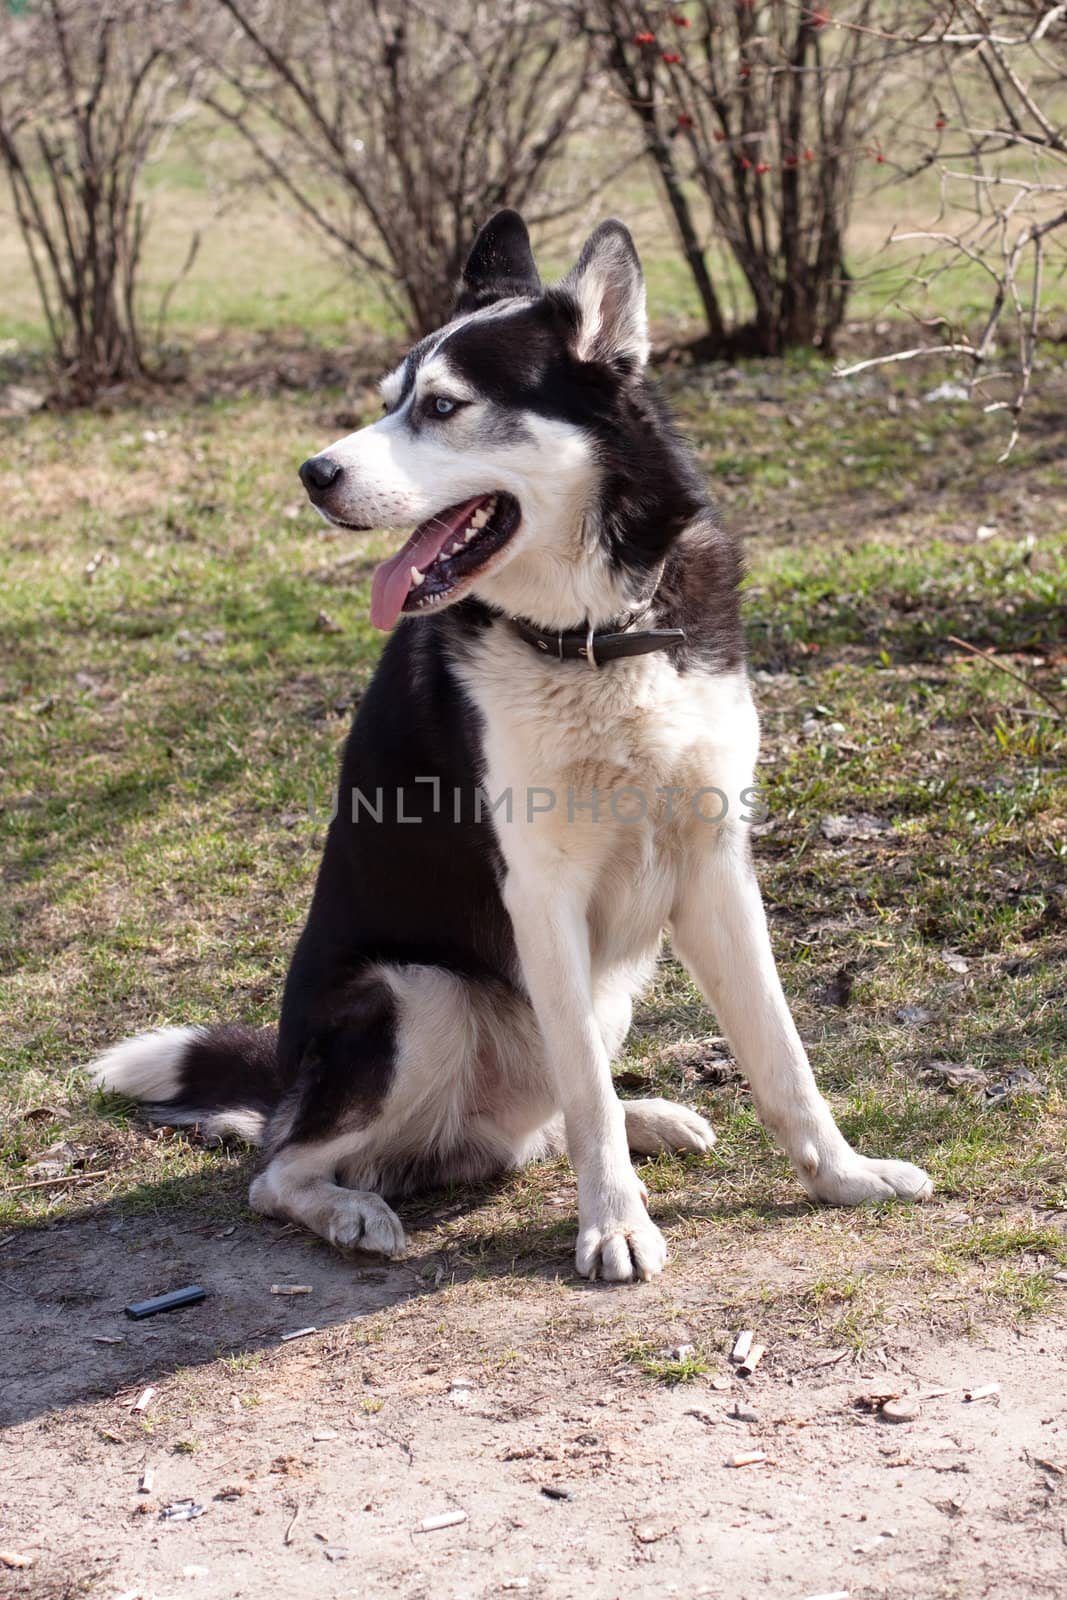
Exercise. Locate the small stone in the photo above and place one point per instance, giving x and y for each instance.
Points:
(903, 1410)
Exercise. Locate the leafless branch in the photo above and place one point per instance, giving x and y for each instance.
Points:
(393, 127)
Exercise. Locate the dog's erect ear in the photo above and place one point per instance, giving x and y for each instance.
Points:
(609, 289)
(500, 264)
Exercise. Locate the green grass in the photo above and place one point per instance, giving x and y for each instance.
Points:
(681, 1366)
(172, 717)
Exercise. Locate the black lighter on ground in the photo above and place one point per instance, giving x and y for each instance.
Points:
(166, 1302)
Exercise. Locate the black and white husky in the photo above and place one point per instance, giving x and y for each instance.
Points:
(551, 766)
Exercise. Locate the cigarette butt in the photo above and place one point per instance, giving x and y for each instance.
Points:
(143, 1400)
(298, 1333)
(447, 1519)
(290, 1288)
(742, 1345)
(747, 1458)
(146, 1480)
(983, 1393)
(755, 1355)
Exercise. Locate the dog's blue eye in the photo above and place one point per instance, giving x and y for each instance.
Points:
(443, 407)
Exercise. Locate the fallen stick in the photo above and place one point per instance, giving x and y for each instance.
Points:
(52, 1183)
(987, 655)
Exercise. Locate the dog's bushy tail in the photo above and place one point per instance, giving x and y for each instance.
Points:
(223, 1080)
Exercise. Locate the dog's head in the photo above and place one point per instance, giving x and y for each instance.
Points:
(524, 442)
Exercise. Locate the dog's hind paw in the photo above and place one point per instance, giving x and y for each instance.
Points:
(655, 1125)
(859, 1179)
(363, 1221)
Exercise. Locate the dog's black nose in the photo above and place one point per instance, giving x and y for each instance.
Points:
(319, 472)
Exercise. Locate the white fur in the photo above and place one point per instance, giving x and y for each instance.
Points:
(146, 1067)
(589, 894)
(609, 287)
(554, 568)
(589, 897)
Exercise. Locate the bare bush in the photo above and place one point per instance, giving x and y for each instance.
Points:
(756, 115)
(990, 119)
(394, 127)
(86, 89)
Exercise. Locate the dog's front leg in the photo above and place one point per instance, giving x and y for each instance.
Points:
(720, 931)
(617, 1239)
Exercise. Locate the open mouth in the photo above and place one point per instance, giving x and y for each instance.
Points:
(442, 554)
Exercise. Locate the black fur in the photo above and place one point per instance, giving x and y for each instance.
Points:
(500, 265)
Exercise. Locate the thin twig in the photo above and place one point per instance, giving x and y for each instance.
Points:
(905, 355)
(52, 1183)
(987, 655)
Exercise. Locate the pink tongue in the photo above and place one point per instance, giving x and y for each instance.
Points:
(393, 580)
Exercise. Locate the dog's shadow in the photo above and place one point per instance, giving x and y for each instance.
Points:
(64, 1284)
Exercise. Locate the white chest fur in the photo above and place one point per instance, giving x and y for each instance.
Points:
(604, 783)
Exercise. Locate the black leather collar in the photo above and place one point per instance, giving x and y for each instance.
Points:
(595, 646)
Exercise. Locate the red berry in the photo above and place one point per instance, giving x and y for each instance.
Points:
(719, 136)
(745, 162)
(680, 22)
(820, 18)
(939, 124)
(746, 72)
(790, 161)
(685, 120)
(763, 166)
(809, 155)
(671, 57)
(644, 38)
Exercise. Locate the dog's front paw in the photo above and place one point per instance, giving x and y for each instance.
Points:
(852, 1179)
(621, 1243)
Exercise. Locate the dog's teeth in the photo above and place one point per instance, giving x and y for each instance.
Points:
(471, 533)
(480, 518)
(454, 548)
(417, 577)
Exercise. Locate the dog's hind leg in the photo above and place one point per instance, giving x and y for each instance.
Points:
(299, 1184)
(419, 1077)
(341, 1074)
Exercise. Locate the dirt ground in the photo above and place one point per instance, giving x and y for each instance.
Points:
(514, 1401)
